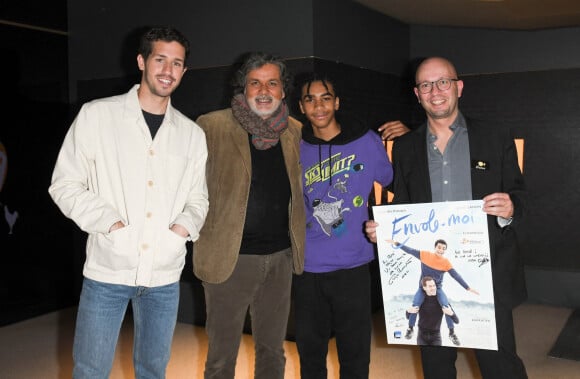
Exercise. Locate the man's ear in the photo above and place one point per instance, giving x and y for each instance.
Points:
(336, 103)
(140, 62)
(459, 88)
(417, 94)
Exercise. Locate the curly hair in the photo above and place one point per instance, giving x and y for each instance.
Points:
(313, 77)
(254, 61)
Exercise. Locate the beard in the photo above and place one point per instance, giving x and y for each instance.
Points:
(264, 105)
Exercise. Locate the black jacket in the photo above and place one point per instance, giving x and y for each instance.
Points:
(496, 148)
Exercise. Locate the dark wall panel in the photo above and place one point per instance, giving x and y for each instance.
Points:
(542, 108)
(104, 33)
(37, 265)
(491, 51)
(358, 36)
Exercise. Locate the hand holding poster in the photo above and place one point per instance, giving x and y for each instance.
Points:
(435, 268)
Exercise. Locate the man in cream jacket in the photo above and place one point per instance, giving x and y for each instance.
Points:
(131, 173)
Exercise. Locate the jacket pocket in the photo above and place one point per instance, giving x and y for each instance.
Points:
(171, 253)
(115, 250)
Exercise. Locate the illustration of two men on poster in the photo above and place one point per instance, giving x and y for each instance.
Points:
(435, 269)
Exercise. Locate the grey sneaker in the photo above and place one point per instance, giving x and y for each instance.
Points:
(454, 339)
(409, 334)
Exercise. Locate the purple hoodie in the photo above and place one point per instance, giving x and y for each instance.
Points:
(336, 199)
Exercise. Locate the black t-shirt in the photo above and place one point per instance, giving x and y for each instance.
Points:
(153, 122)
(430, 314)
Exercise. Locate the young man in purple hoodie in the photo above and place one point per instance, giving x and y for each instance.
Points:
(341, 159)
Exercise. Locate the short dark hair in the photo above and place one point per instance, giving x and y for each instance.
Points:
(425, 279)
(440, 242)
(313, 77)
(162, 33)
(256, 60)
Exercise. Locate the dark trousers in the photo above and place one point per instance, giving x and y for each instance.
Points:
(261, 283)
(336, 301)
(439, 362)
(429, 337)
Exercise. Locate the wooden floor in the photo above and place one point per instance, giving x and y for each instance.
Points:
(41, 348)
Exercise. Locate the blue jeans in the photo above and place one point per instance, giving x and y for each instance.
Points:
(101, 311)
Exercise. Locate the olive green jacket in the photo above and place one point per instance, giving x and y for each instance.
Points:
(229, 174)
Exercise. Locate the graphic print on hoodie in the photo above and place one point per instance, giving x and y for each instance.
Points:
(338, 178)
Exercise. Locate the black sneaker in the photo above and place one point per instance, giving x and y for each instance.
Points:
(409, 334)
(454, 339)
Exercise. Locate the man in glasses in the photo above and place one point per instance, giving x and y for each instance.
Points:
(452, 158)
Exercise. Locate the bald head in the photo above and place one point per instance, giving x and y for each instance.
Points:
(435, 64)
(438, 90)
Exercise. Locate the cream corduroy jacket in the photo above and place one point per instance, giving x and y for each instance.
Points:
(109, 169)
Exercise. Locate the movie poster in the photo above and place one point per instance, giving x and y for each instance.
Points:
(435, 268)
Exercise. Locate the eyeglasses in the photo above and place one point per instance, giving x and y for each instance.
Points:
(442, 85)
